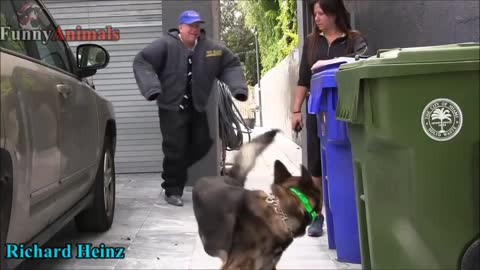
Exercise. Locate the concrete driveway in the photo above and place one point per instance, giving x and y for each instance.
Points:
(159, 236)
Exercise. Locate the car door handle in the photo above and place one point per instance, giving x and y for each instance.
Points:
(64, 90)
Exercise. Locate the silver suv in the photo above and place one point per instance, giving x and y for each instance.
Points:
(58, 136)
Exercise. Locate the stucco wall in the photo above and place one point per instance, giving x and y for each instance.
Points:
(391, 24)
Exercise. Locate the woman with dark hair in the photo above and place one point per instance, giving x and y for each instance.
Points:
(331, 37)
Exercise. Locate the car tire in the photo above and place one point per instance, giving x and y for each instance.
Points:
(471, 258)
(6, 192)
(99, 217)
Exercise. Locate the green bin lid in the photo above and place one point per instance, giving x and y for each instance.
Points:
(400, 62)
(431, 54)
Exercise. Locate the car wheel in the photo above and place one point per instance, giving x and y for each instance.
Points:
(6, 191)
(471, 258)
(99, 217)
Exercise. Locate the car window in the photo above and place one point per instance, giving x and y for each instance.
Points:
(32, 18)
(9, 20)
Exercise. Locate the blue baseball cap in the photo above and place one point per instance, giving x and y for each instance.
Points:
(189, 16)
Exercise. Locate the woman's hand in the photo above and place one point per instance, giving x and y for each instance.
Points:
(297, 121)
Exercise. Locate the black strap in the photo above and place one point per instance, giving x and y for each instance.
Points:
(187, 97)
(189, 75)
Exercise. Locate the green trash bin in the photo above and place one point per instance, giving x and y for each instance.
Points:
(413, 121)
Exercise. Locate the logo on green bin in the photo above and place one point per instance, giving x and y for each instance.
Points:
(442, 119)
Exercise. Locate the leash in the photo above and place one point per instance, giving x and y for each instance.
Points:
(230, 120)
(275, 203)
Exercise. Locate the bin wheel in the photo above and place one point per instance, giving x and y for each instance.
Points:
(471, 258)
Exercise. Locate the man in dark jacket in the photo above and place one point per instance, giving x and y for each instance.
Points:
(178, 71)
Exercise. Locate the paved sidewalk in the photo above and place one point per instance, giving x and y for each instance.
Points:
(159, 236)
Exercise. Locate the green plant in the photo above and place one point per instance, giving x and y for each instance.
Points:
(238, 37)
(276, 23)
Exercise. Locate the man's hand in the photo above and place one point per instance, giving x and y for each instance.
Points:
(241, 97)
(153, 97)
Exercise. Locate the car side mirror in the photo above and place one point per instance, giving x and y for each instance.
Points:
(92, 56)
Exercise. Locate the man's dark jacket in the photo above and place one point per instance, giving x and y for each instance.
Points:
(161, 71)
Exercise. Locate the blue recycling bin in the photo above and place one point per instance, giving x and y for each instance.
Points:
(338, 180)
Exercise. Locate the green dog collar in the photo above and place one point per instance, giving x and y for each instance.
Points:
(305, 202)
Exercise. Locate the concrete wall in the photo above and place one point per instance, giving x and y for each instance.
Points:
(391, 24)
(277, 90)
(304, 27)
(210, 11)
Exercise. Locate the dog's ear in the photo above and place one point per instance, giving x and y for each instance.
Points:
(280, 173)
(306, 177)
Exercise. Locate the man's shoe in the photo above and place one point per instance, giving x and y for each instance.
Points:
(174, 200)
(316, 228)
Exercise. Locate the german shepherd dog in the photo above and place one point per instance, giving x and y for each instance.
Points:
(250, 229)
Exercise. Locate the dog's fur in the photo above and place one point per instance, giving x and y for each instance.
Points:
(238, 225)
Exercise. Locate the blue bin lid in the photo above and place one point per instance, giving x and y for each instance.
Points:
(322, 65)
(320, 84)
(324, 77)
